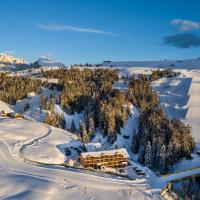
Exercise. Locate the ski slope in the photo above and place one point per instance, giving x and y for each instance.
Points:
(26, 180)
(180, 98)
(193, 113)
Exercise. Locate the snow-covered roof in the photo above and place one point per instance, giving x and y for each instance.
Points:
(5, 107)
(109, 152)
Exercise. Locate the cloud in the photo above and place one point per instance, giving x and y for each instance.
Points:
(182, 41)
(185, 25)
(59, 27)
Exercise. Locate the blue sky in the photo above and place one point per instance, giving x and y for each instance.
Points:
(80, 31)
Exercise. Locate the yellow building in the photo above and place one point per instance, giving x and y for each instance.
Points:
(114, 158)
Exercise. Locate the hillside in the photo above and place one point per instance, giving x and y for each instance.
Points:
(54, 146)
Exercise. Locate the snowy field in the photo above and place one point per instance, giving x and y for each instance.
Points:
(22, 180)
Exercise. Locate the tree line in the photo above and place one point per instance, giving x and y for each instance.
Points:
(160, 142)
(14, 88)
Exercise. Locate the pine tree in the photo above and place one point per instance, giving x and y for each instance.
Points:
(72, 127)
(26, 106)
(141, 152)
(117, 123)
(91, 129)
(84, 135)
(148, 156)
(170, 155)
(61, 121)
(162, 160)
(135, 143)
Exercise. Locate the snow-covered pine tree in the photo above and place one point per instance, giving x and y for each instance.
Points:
(141, 152)
(148, 156)
(162, 160)
(91, 128)
(170, 154)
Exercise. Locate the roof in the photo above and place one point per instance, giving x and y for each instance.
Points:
(109, 152)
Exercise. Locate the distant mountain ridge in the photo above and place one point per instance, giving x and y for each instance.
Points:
(6, 60)
(47, 62)
(184, 64)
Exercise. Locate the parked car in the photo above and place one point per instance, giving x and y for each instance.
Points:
(135, 168)
(126, 136)
(68, 152)
(121, 171)
(138, 170)
(141, 173)
(198, 153)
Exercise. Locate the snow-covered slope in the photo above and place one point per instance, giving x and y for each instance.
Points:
(193, 113)
(40, 146)
(180, 98)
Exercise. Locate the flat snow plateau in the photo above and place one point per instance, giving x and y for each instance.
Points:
(21, 140)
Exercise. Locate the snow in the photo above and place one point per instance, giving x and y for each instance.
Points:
(29, 180)
(185, 164)
(77, 117)
(128, 130)
(193, 114)
(48, 149)
(173, 94)
(14, 132)
(34, 112)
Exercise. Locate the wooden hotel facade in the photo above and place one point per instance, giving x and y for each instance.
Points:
(114, 158)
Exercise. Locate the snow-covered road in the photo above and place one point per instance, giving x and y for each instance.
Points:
(19, 180)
